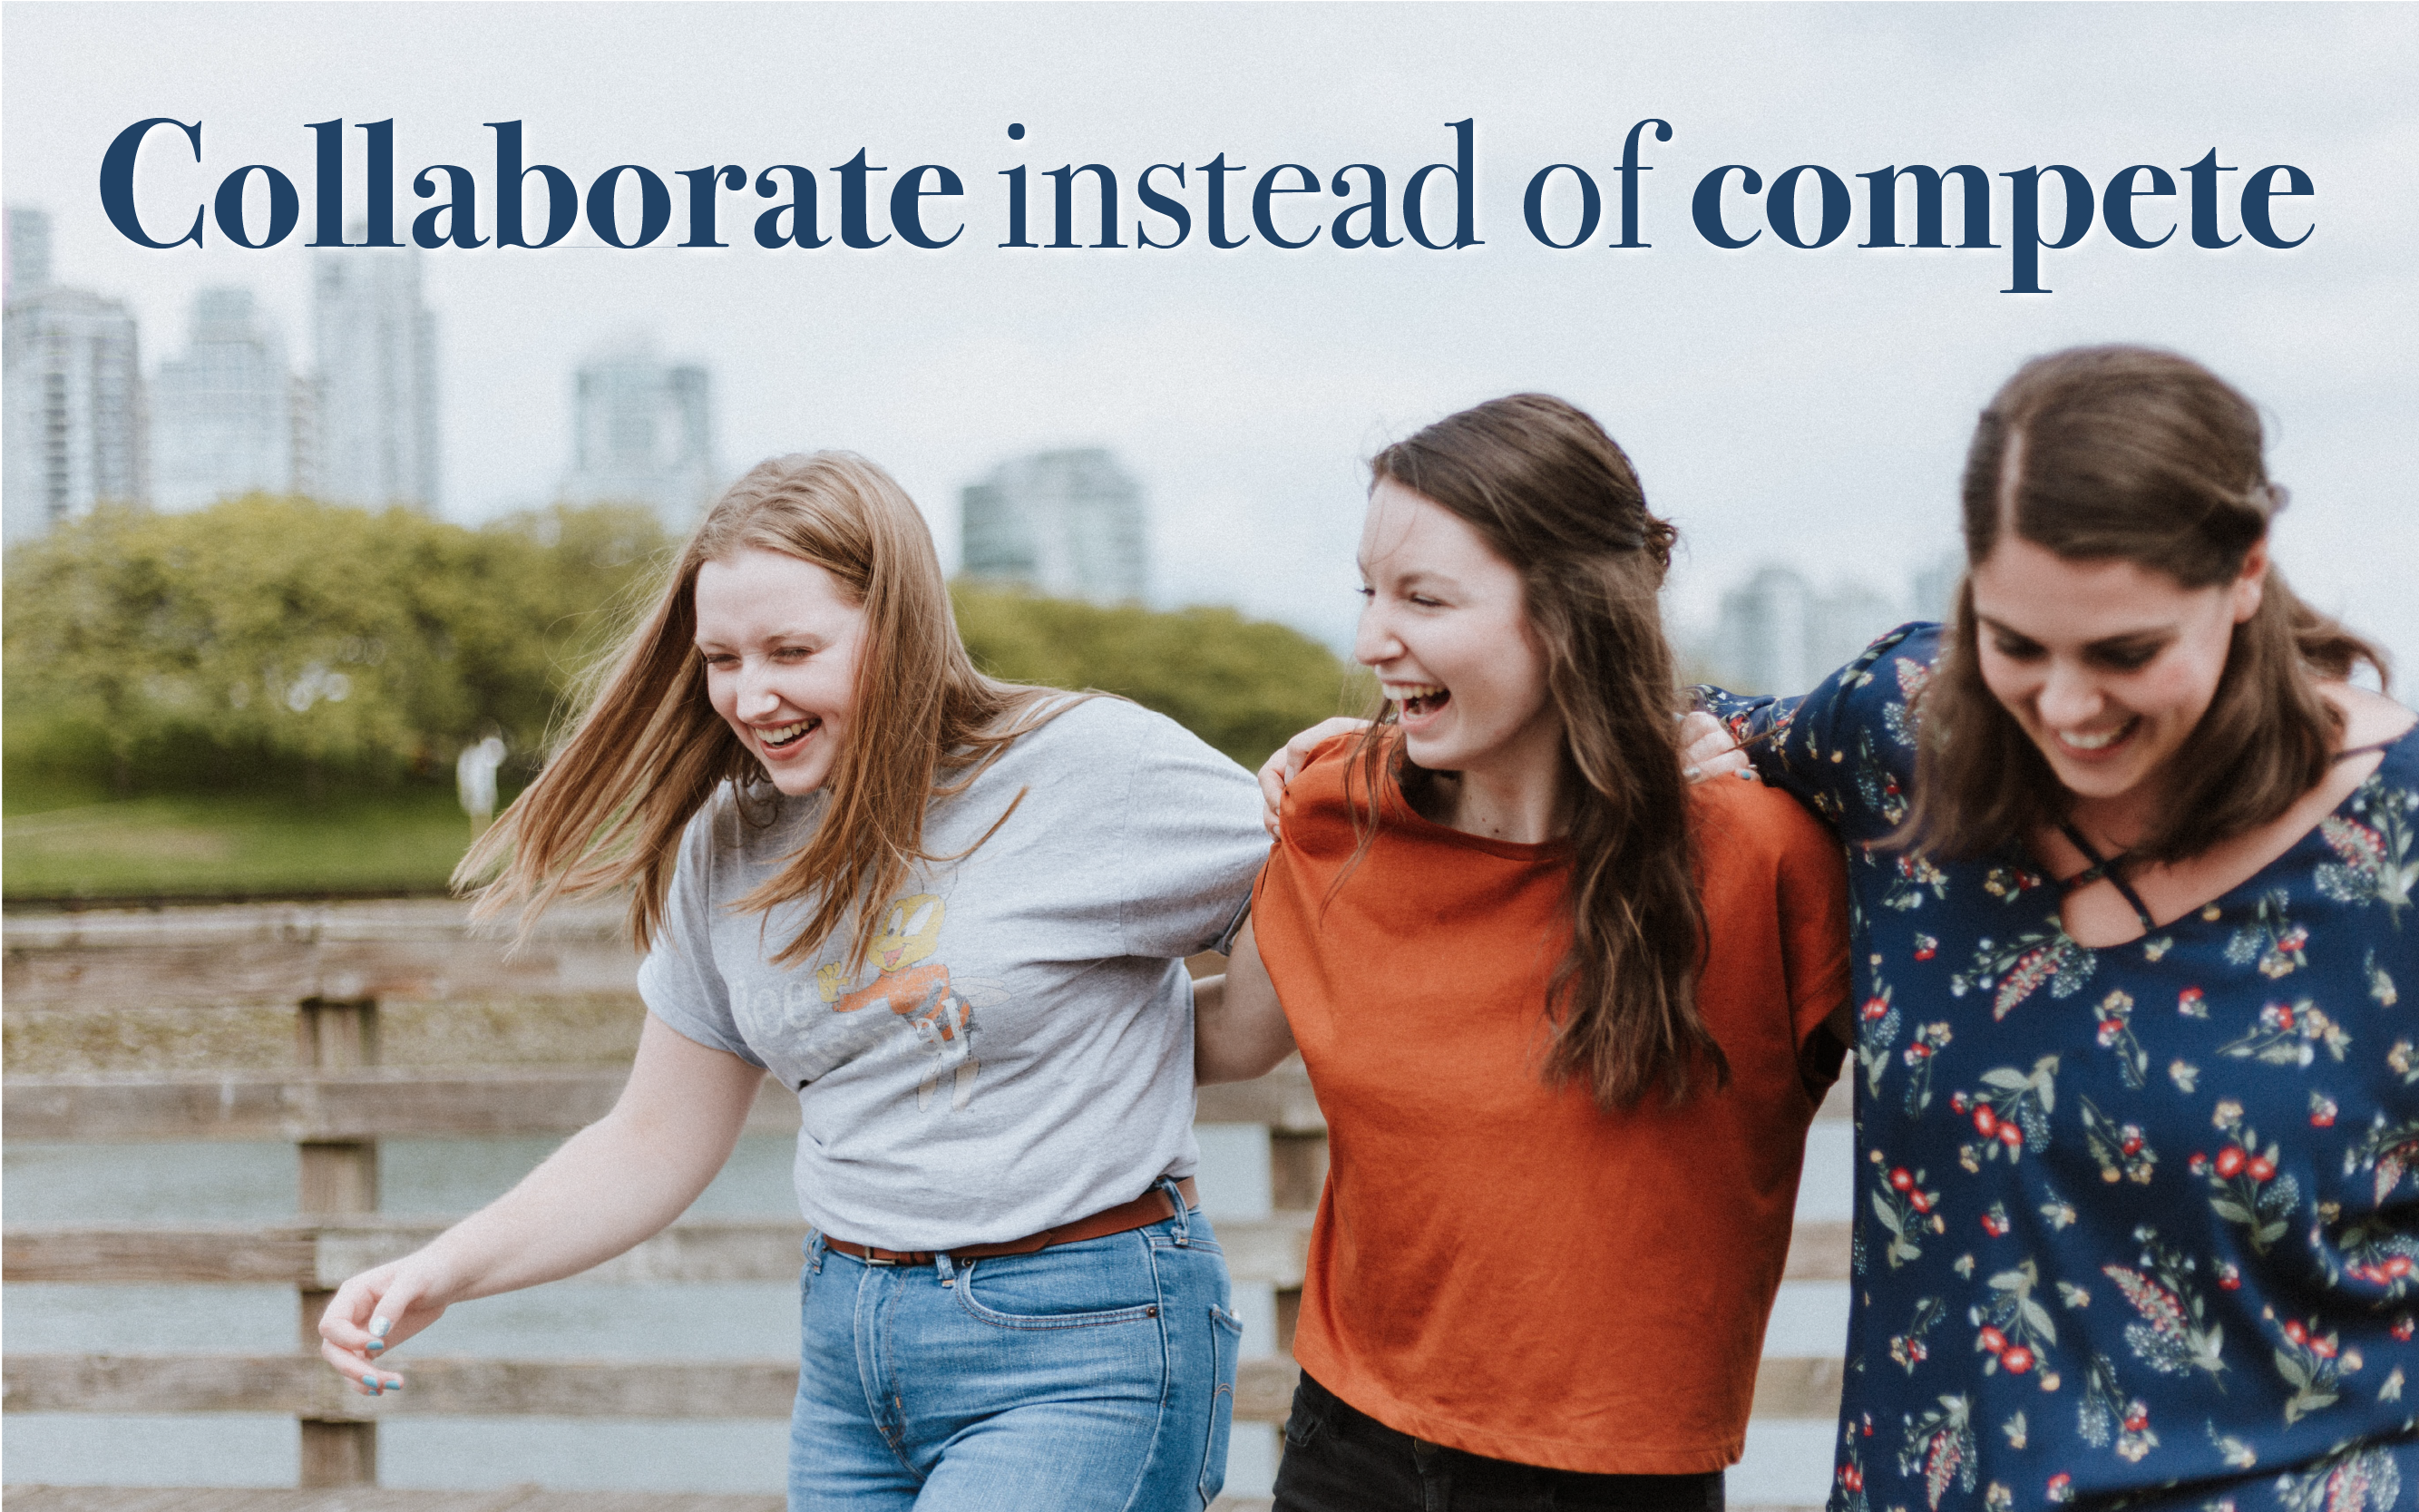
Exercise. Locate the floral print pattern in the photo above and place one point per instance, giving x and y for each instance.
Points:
(2137, 1227)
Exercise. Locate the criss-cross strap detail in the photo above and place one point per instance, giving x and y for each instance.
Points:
(2104, 868)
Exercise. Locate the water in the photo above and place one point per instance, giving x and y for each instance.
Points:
(1786, 1463)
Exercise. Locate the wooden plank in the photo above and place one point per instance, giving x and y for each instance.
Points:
(338, 1453)
(403, 1103)
(283, 973)
(1274, 1249)
(304, 1386)
(371, 1498)
(1282, 1100)
(1264, 1390)
(283, 953)
(463, 1387)
(1818, 1251)
(381, 1499)
(368, 1105)
(1270, 1250)
(220, 1254)
(1797, 1387)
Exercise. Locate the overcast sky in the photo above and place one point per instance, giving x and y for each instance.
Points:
(1800, 406)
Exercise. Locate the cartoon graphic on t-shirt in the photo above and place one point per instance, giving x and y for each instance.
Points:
(941, 1015)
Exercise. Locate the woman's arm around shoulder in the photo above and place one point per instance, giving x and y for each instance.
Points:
(615, 1183)
(1847, 748)
(1239, 1028)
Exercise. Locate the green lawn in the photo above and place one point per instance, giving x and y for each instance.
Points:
(62, 843)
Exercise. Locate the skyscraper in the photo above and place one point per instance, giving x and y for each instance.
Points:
(223, 414)
(642, 433)
(1065, 524)
(1765, 634)
(377, 386)
(1777, 635)
(72, 392)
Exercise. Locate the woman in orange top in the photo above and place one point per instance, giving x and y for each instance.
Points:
(1566, 1015)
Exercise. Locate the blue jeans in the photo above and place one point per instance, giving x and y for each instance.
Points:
(1097, 1375)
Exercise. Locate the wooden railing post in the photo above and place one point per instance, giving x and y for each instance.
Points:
(339, 1178)
(1297, 1175)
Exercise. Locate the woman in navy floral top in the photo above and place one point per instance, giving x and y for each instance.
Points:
(2137, 1107)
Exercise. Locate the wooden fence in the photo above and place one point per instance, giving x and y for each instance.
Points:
(94, 1007)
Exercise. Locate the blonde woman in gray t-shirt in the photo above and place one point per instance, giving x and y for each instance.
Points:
(952, 915)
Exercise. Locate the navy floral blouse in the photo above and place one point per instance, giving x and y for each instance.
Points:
(2135, 1227)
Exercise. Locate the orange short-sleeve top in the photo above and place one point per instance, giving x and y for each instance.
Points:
(1497, 1264)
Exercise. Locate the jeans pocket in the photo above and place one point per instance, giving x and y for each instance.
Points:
(1225, 1350)
(1065, 1285)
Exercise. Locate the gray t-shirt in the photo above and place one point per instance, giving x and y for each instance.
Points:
(1017, 1050)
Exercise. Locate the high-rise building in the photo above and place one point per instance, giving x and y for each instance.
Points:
(1936, 586)
(223, 414)
(1762, 641)
(642, 433)
(72, 393)
(1065, 524)
(377, 357)
(29, 252)
(1777, 635)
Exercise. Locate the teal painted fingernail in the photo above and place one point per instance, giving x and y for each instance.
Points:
(377, 1345)
(394, 1386)
(370, 1381)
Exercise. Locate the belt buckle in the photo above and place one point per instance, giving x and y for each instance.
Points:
(869, 1259)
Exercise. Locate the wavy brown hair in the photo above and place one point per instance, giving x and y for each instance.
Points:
(1552, 495)
(2130, 454)
(647, 750)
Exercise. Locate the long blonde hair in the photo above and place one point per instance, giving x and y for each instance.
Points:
(647, 750)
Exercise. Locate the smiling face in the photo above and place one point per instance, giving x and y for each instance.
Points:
(781, 637)
(1446, 627)
(2107, 666)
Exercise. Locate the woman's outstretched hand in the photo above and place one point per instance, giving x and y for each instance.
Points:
(374, 1311)
(610, 1186)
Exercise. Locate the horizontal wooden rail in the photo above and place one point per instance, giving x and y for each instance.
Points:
(1270, 1250)
(295, 1105)
(373, 1499)
(413, 1104)
(1273, 1250)
(303, 1385)
(280, 954)
(417, 1104)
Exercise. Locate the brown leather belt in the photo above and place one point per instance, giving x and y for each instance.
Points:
(1149, 1208)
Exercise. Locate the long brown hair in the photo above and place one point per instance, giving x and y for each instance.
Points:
(648, 750)
(2130, 454)
(1551, 494)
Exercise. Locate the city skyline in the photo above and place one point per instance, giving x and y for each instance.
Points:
(227, 417)
(76, 432)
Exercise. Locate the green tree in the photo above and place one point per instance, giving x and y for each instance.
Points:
(1241, 685)
(268, 634)
(266, 638)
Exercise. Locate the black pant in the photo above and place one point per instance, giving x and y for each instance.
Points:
(1338, 1458)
